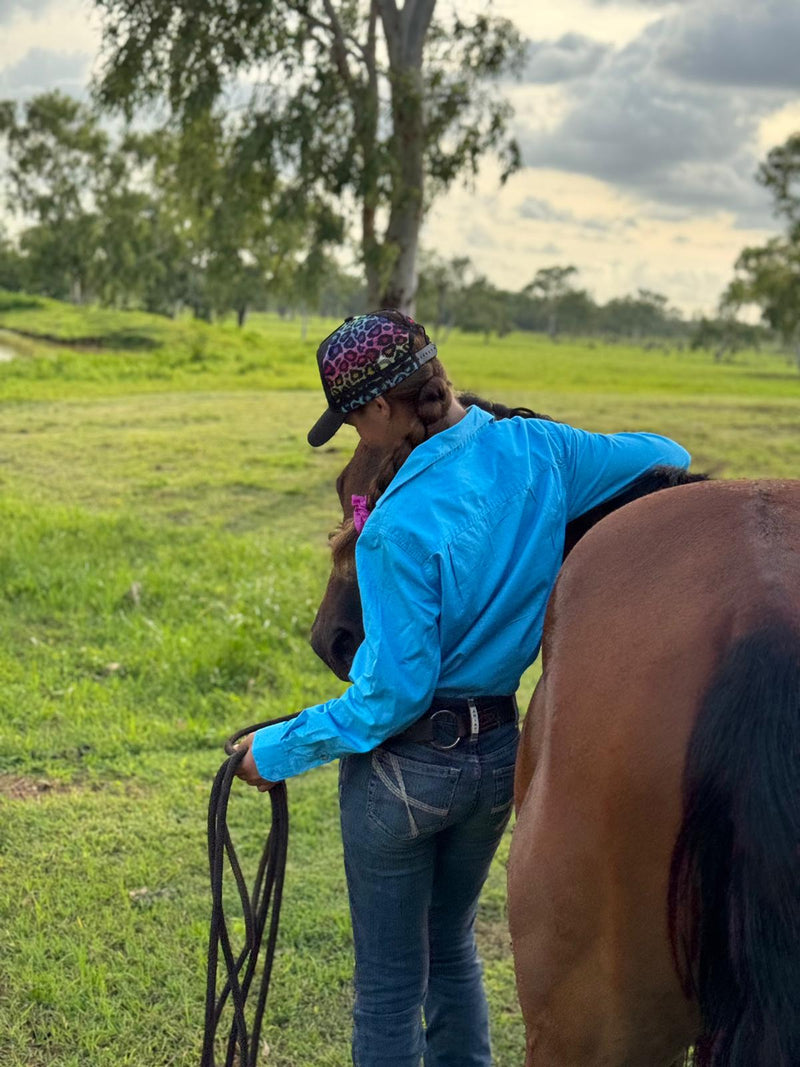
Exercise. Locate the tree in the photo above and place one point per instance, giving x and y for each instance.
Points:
(440, 292)
(725, 336)
(768, 276)
(780, 173)
(645, 315)
(551, 284)
(55, 151)
(13, 270)
(360, 99)
(482, 308)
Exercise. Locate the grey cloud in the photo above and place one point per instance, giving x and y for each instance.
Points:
(543, 211)
(679, 143)
(534, 208)
(725, 42)
(9, 9)
(39, 70)
(571, 56)
(548, 249)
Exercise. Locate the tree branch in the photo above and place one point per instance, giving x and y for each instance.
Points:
(339, 50)
(417, 15)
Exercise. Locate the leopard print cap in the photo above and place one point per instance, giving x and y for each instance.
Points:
(367, 356)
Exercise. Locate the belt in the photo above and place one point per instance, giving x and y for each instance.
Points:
(447, 720)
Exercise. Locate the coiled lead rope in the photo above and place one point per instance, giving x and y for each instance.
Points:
(264, 901)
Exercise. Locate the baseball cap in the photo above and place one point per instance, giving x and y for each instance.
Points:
(363, 358)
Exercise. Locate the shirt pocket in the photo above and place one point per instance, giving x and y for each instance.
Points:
(408, 799)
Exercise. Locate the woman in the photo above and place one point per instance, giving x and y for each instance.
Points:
(460, 547)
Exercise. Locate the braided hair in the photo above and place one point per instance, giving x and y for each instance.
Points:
(427, 393)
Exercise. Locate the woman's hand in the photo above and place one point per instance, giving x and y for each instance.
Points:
(247, 770)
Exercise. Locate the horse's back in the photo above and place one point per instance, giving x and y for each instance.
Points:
(644, 610)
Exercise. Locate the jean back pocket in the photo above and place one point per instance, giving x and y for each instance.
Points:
(408, 798)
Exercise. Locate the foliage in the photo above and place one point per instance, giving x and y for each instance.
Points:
(383, 105)
(159, 219)
(780, 173)
(56, 160)
(13, 268)
(726, 336)
(768, 276)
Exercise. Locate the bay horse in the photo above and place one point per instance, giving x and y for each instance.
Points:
(655, 863)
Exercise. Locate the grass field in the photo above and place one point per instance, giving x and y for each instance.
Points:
(163, 551)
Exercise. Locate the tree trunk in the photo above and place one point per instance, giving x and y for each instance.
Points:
(368, 138)
(405, 219)
(405, 38)
(241, 315)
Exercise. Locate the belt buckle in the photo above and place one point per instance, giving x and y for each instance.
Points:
(454, 716)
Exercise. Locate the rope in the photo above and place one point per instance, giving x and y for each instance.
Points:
(264, 902)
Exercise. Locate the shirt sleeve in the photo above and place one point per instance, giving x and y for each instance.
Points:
(394, 672)
(598, 466)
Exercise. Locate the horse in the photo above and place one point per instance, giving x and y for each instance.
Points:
(654, 869)
(653, 873)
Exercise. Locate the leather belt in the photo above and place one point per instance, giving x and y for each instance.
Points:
(448, 720)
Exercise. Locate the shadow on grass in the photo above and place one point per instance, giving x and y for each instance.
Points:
(12, 302)
(114, 340)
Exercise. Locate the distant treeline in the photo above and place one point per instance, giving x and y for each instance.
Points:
(169, 220)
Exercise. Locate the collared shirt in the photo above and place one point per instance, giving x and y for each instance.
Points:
(455, 566)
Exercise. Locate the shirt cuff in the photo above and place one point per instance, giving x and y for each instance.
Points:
(270, 761)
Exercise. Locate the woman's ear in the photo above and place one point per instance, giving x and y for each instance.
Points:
(382, 407)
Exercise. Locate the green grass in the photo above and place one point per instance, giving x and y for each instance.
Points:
(163, 550)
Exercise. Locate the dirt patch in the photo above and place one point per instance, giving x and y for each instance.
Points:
(21, 787)
(494, 940)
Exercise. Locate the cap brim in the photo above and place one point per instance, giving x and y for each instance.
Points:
(325, 427)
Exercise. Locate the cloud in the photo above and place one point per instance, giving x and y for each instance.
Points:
(571, 56)
(41, 69)
(725, 42)
(9, 9)
(533, 207)
(543, 211)
(549, 249)
(645, 127)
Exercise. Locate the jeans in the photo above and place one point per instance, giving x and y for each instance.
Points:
(420, 826)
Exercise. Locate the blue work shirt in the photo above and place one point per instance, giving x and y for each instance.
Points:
(455, 566)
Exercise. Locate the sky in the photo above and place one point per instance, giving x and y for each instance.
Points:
(641, 124)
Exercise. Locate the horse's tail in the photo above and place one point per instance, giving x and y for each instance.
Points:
(734, 896)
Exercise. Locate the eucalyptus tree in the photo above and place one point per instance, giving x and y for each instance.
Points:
(551, 285)
(55, 149)
(768, 276)
(375, 105)
(13, 273)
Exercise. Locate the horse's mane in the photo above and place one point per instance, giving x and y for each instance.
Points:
(658, 478)
(500, 411)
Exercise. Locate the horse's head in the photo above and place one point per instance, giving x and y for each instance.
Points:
(338, 629)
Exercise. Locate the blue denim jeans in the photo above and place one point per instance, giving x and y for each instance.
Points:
(420, 827)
